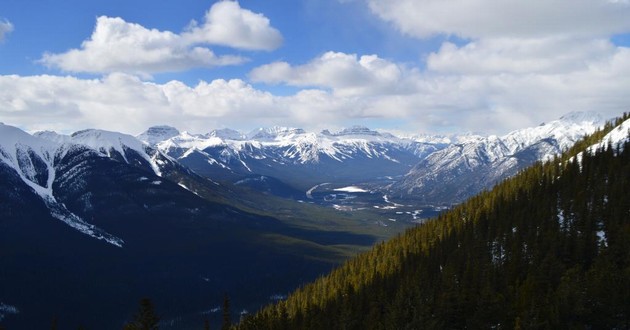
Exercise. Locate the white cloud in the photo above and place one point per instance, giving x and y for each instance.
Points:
(507, 18)
(5, 28)
(522, 63)
(116, 45)
(345, 74)
(125, 103)
(486, 101)
(227, 24)
(519, 55)
(120, 46)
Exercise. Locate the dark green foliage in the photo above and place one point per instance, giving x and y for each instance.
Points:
(547, 249)
(227, 317)
(145, 318)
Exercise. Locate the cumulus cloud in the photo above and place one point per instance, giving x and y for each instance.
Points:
(438, 102)
(116, 45)
(510, 18)
(5, 28)
(345, 74)
(227, 24)
(119, 46)
(126, 103)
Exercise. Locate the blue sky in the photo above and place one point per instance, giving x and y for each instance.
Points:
(420, 66)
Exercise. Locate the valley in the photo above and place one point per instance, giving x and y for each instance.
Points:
(185, 218)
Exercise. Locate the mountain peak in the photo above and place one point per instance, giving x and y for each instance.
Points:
(157, 134)
(582, 116)
(357, 130)
(226, 134)
(102, 140)
(273, 132)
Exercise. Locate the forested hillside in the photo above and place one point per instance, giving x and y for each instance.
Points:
(548, 248)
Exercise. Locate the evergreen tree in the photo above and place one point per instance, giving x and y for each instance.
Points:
(145, 318)
(227, 317)
(53, 324)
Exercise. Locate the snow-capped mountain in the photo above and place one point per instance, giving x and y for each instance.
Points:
(463, 169)
(100, 215)
(56, 166)
(34, 160)
(295, 156)
(156, 134)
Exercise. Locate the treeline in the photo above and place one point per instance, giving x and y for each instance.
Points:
(548, 248)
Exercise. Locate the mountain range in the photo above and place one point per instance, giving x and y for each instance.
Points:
(109, 217)
(433, 169)
(545, 249)
(99, 216)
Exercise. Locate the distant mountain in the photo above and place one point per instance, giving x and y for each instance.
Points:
(547, 248)
(157, 134)
(426, 168)
(296, 157)
(464, 169)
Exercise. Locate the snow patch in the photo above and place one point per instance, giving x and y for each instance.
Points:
(601, 238)
(352, 189)
(184, 186)
(60, 212)
(7, 310)
(309, 193)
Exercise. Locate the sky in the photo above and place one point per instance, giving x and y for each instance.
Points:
(415, 66)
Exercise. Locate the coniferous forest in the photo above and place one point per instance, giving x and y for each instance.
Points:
(546, 249)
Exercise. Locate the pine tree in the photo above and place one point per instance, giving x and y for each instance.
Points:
(227, 317)
(53, 324)
(145, 318)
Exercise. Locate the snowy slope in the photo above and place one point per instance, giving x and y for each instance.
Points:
(47, 161)
(31, 157)
(113, 144)
(615, 139)
(463, 169)
(34, 160)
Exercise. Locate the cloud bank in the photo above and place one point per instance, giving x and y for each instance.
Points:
(119, 46)
(507, 18)
(515, 64)
(470, 98)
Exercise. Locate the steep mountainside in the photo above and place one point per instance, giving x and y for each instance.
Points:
(464, 169)
(548, 248)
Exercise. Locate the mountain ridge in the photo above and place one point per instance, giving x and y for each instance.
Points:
(463, 169)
